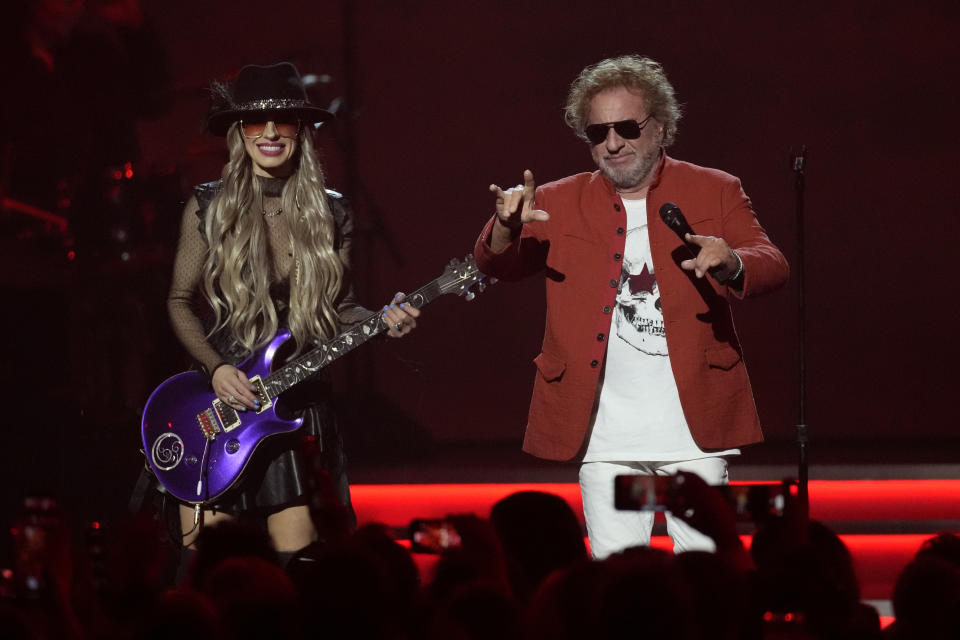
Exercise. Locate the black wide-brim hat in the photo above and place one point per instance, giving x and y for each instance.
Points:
(258, 91)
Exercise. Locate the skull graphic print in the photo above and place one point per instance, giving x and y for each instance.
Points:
(639, 315)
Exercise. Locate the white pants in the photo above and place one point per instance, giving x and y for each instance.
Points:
(611, 530)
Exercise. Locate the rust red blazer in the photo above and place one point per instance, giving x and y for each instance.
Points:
(580, 249)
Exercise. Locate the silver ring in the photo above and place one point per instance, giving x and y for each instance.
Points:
(396, 325)
(231, 400)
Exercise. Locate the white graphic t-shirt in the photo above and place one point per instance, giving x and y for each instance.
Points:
(639, 417)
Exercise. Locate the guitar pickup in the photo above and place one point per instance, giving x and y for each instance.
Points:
(260, 390)
(228, 416)
(207, 421)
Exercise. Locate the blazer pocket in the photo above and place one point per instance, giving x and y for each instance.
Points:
(706, 226)
(549, 366)
(578, 237)
(722, 357)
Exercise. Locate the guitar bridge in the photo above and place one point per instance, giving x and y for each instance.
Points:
(228, 416)
(260, 390)
(207, 422)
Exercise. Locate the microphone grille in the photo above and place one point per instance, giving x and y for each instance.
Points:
(671, 215)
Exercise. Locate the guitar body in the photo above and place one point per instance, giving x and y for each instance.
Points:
(198, 446)
(191, 466)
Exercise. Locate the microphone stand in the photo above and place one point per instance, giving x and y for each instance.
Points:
(798, 162)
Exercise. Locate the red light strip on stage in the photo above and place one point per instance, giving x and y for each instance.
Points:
(397, 504)
(830, 500)
(840, 500)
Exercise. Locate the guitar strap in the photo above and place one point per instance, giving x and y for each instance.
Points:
(146, 484)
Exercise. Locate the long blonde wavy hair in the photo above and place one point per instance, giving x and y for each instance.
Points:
(236, 274)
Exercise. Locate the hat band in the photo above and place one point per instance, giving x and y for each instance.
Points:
(271, 104)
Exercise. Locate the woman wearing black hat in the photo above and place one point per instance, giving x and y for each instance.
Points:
(268, 247)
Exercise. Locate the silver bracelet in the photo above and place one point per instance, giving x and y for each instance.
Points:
(739, 271)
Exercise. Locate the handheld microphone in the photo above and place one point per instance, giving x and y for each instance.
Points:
(673, 218)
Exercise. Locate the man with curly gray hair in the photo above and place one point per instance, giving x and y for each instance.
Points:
(641, 371)
(641, 75)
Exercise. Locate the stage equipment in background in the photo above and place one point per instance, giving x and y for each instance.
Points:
(9, 204)
(798, 164)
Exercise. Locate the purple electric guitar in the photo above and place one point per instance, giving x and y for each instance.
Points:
(198, 446)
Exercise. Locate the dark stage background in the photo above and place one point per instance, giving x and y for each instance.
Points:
(439, 99)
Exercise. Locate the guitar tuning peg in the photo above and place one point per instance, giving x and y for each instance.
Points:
(481, 285)
(470, 295)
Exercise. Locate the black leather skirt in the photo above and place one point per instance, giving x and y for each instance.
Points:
(283, 469)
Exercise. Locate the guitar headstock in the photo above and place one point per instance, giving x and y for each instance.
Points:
(460, 277)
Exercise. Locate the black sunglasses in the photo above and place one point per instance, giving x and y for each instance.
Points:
(626, 129)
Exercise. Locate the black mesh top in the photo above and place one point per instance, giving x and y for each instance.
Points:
(188, 311)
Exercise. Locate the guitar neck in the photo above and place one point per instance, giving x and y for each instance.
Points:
(305, 366)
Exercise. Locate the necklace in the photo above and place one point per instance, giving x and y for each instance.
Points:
(269, 214)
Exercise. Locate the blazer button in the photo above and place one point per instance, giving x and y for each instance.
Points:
(613, 283)
(616, 207)
(606, 309)
(599, 337)
(594, 363)
(620, 231)
(617, 256)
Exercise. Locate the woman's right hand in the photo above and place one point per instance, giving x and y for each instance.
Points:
(232, 386)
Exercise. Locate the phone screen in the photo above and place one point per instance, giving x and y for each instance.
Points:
(755, 502)
(641, 493)
(433, 536)
(750, 502)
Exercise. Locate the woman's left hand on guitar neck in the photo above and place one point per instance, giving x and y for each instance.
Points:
(400, 317)
(232, 386)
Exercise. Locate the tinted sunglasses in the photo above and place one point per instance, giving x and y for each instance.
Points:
(626, 129)
(255, 128)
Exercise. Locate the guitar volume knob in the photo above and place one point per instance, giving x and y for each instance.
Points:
(232, 446)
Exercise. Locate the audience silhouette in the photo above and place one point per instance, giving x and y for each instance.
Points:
(522, 574)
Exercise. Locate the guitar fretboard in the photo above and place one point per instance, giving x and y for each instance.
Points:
(305, 366)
